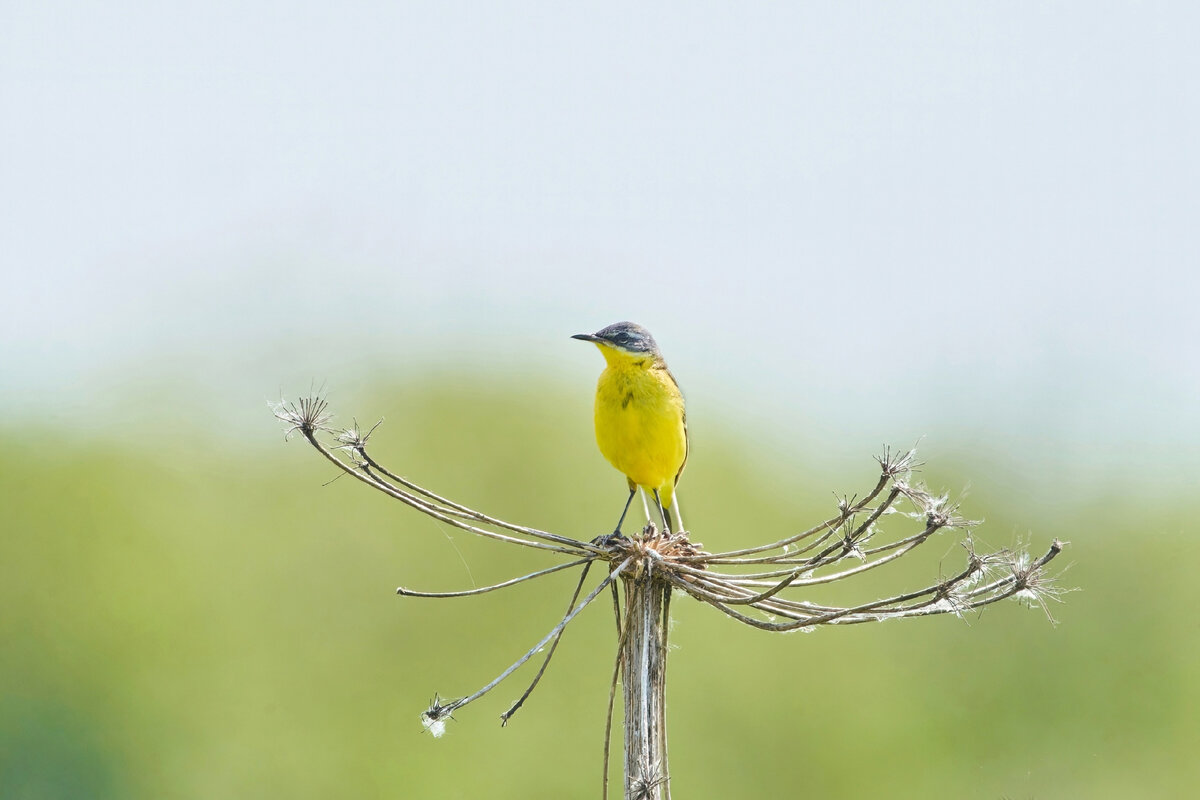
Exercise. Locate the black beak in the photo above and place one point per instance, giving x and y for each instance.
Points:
(587, 337)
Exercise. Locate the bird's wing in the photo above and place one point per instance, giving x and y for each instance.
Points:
(687, 443)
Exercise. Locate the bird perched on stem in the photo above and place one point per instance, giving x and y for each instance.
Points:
(640, 422)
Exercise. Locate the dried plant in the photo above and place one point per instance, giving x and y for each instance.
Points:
(760, 586)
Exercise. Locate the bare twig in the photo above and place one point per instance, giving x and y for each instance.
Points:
(445, 710)
(495, 586)
(553, 646)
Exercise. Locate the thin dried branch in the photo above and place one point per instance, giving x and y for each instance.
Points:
(939, 598)
(891, 466)
(358, 444)
(367, 477)
(310, 417)
(436, 712)
(794, 580)
(847, 509)
(507, 715)
(485, 589)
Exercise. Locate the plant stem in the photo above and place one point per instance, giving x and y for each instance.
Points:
(644, 667)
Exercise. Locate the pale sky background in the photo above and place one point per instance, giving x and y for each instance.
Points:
(864, 222)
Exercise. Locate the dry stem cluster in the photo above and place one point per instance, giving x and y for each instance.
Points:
(759, 586)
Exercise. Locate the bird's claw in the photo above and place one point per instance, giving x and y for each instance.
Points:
(608, 539)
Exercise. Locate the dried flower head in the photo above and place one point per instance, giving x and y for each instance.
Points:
(764, 586)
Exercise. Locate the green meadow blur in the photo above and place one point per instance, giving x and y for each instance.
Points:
(186, 615)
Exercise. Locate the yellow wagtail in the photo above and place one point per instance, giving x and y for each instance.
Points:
(640, 423)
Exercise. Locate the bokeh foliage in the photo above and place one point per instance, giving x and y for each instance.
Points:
(189, 615)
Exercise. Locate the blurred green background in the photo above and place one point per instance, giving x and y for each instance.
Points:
(848, 225)
(190, 618)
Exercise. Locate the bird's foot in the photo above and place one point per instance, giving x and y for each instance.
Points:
(609, 539)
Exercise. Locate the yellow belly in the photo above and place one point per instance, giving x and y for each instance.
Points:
(640, 426)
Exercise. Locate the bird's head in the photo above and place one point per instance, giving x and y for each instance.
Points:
(624, 340)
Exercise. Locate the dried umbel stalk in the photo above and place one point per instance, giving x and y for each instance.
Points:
(760, 586)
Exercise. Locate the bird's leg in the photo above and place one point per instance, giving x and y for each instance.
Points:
(666, 515)
(624, 511)
(678, 511)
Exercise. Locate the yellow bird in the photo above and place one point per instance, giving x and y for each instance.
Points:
(640, 422)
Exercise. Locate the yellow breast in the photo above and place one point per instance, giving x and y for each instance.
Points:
(640, 424)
